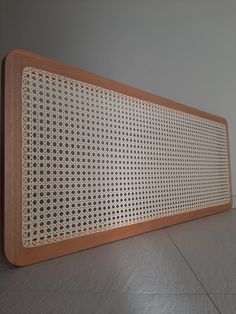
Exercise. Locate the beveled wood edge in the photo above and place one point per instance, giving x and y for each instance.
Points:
(34, 255)
(33, 60)
(229, 163)
(12, 165)
(15, 252)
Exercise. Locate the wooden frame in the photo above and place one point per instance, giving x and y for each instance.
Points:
(15, 252)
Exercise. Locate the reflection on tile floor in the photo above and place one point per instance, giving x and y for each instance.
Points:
(209, 245)
(187, 268)
(87, 303)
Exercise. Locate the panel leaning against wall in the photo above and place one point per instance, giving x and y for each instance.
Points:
(98, 161)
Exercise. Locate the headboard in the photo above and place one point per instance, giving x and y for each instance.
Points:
(89, 160)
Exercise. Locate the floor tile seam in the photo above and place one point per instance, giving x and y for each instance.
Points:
(192, 270)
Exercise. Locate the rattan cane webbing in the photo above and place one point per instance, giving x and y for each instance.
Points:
(95, 159)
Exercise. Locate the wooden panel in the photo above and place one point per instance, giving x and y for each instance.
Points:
(17, 249)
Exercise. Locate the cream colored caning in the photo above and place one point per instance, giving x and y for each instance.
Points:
(95, 159)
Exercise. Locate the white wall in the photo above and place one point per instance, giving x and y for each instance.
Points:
(184, 50)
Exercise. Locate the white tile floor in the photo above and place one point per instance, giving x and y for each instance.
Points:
(188, 268)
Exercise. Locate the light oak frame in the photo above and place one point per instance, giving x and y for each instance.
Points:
(15, 252)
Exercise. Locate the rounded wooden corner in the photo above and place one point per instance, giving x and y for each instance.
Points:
(15, 53)
(9, 254)
(14, 63)
(15, 255)
(230, 204)
(9, 59)
(11, 247)
(225, 122)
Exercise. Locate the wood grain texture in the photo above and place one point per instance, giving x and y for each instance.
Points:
(16, 61)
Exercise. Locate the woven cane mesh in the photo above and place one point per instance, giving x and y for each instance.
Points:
(95, 159)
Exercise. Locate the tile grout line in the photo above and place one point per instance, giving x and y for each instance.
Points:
(219, 293)
(117, 293)
(190, 267)
(105, 292)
